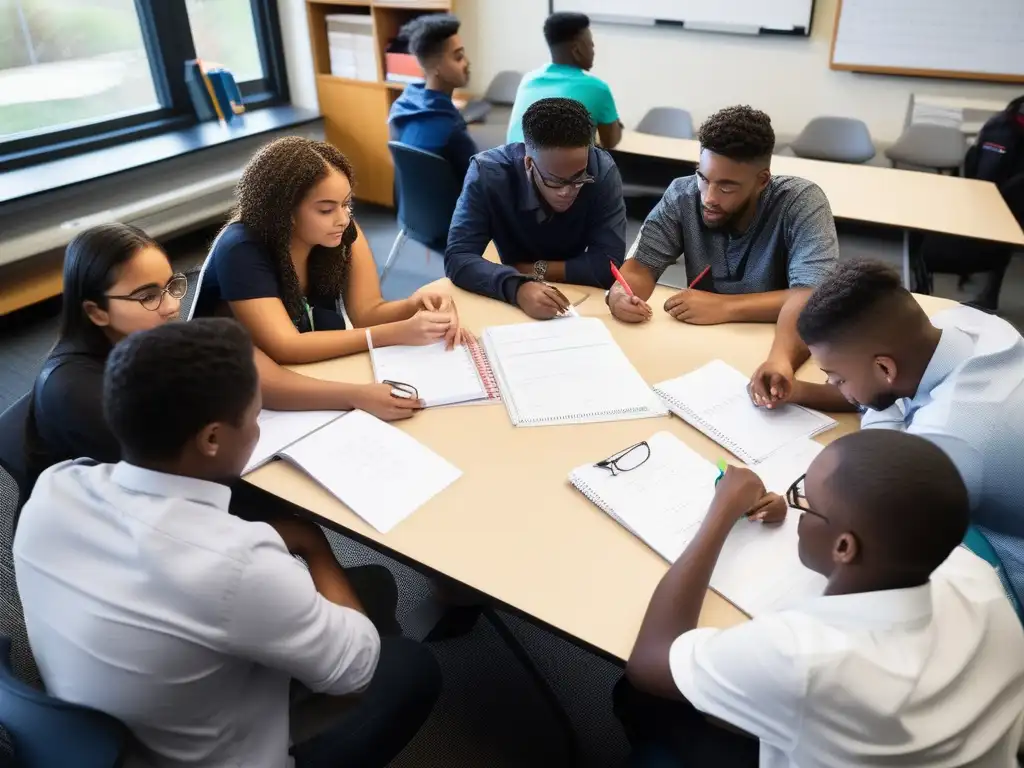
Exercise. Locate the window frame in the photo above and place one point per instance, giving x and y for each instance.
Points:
(167, 37)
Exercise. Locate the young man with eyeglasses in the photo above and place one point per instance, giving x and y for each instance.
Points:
(552, 206)
(912, 656)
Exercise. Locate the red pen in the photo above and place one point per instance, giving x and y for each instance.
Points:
(700, 277)
(620, 279)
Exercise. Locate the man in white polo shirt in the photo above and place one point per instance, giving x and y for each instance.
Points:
(145, 599)
(913, 655)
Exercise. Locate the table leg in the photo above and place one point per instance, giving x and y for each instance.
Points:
(906, 260)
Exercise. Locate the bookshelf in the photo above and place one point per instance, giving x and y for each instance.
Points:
(356, 111)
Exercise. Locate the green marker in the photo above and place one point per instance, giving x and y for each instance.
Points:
(722, 467)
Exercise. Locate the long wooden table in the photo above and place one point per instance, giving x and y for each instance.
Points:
(512, 527)
(908, 200)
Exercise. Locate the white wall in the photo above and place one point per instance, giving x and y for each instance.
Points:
(787, 77)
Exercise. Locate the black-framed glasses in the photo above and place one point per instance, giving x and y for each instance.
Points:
(626, 460)
(401, 390)
(796, 497)
(554, 182)
(152, 297)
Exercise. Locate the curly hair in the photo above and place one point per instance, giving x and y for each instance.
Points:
(427, 34)
(849, 294)
(557, 123)
(739, 133)
(272, 185)
(162, 386)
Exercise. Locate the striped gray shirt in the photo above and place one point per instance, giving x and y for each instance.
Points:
(791, 242)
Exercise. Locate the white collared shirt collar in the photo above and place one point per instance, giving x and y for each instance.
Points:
(153, 483)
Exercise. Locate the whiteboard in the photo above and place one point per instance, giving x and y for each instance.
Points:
(976, 39)
(742, 16)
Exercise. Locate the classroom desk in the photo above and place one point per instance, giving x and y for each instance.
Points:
(512, 527)
(907, 200)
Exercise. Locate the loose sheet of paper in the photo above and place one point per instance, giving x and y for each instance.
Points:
(567, 372)
(377, 470)
(279, 429)
(441, 376)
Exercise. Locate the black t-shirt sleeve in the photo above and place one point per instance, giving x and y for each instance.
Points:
(69, 413)
(245, 270)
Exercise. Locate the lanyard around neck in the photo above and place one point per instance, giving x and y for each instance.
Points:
(309, 314)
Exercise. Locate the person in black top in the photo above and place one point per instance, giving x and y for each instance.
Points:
(292, 250)
(118, 281)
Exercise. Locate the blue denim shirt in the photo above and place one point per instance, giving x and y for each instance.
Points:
(500, 203)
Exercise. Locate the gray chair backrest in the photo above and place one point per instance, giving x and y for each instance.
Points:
(929, 146)
(839, 139)
(12, 620)
(502, 90)
(193, 290)
(672, 122)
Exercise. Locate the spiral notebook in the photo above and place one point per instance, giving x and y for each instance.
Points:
(441, 376)
(566, 372)
(714, 399)
(664, 501)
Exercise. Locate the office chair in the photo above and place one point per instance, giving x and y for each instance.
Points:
(500, 93)
(672, 122)
(839, 139)
(925, 145)
(193, 275)
(426, 192)
(47, 732)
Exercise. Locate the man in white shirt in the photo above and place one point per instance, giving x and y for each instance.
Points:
(145, 599)
(913, 655)
(956, 380)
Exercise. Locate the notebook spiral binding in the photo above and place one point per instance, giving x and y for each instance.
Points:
(586, 416)
(592, 496)
(693, 419)
(483, 367)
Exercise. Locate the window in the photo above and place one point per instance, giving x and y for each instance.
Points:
(82, 74)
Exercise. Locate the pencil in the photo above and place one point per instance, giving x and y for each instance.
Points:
(700, 277)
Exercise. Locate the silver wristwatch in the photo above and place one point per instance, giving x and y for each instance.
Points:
(540, 269)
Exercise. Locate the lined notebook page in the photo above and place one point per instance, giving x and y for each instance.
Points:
(566, 372)
(441, 376)
(664, 501)
(279, 429)
(381, 473)
(714, 399)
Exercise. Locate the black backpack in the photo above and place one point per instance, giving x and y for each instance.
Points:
(998, 153)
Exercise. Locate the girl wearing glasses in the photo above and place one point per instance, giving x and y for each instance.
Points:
(118, 281)
(293, 250)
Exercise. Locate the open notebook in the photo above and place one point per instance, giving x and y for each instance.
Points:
(357, 458)
(566, 372)
(441, 376)
(714, 399)
(664, 501)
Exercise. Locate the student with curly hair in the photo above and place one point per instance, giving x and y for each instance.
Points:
(552, 206)
(292, 250)
(764, 240)
(424, 116)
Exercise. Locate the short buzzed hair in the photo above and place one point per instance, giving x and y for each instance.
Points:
(564, 27)
(162, 386)
(852, 292)
(557, 123)
(428, 34)
(904, 493)
(740, 133)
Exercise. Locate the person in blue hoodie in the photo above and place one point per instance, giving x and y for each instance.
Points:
(424, 116)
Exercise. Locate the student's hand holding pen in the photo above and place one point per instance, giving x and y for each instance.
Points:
(541, 301)
(741, 493)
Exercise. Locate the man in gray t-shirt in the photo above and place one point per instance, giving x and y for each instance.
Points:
(753, 244)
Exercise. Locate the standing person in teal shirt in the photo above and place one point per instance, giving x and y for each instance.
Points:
(567, 76)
